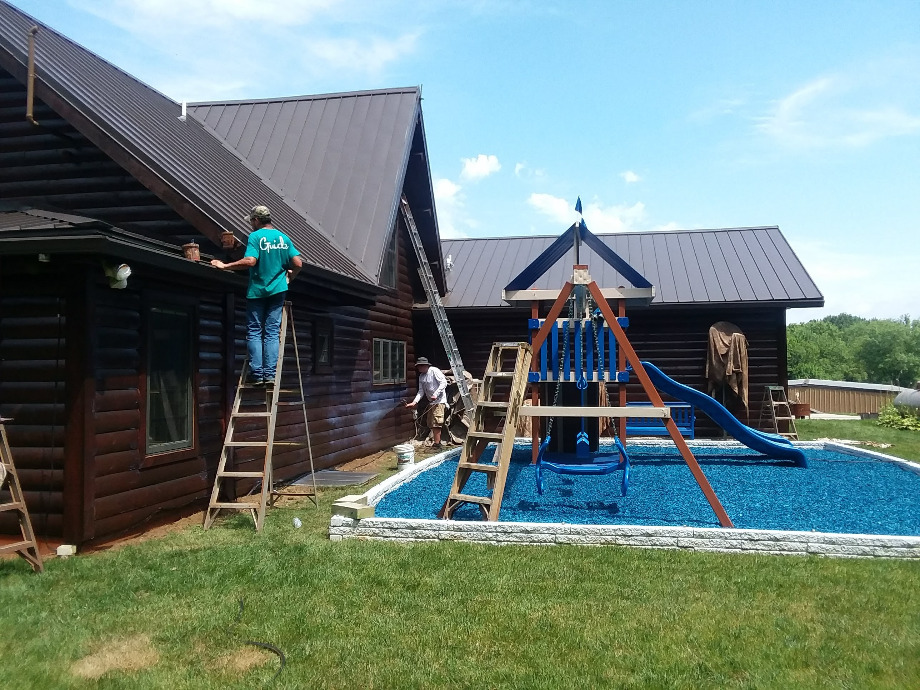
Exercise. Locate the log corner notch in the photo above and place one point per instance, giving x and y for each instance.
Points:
(30, 82)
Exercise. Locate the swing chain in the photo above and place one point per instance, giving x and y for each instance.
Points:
(596, 321)
(563, 357)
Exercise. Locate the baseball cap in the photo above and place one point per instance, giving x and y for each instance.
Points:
(260, 213)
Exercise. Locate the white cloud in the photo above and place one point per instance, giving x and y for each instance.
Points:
(479, 167)
(218, 49)
(629, 176)
(451, 209)
(870, 285)
(842, 110)
(557, 209)
(519, 168)
(598, 217)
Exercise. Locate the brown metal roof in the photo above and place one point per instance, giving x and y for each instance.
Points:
(339, 157)
(209, 184)
(687, 267)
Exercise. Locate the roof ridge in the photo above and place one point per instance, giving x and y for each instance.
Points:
(612, 234)
(308, 97)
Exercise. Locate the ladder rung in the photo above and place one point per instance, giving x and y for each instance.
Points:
(251, 414)
(17, 546)
(784, 419)
(301, 444)
(286, 403)
(247, 444)
(478, 467)
(236, 506)
(482, 500)
(500, 374)
(495, 404)
(15, 505)
(242, 475)
(497, 436)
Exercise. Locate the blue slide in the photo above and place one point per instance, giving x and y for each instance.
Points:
(769, 444)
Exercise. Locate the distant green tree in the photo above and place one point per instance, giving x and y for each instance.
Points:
(888, 349)
(843, 321)
(817, 350)
(849, 348)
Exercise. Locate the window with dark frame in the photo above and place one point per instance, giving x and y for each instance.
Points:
(388, 271)
(389, 361)
(323, 346)
(169, 380)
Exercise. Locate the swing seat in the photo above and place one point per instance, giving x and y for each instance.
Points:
(584, 469)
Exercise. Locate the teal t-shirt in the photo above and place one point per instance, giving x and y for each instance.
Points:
(272, 250)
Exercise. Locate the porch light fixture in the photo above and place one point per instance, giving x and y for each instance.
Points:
(117, 275)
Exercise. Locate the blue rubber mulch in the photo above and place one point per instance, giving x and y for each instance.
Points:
(835, 493)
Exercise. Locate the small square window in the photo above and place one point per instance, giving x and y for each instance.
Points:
(389, 363)
(323, 346)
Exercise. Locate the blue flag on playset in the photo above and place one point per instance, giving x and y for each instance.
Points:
(578, 205)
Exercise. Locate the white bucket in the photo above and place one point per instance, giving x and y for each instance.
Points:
(405, 455)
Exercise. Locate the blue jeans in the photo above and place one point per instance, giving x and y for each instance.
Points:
(263, 317)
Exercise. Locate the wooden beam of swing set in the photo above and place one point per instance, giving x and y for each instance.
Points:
(646, 411)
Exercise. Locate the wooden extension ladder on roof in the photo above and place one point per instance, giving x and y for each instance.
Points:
(776, 409)
(490, 412)
(26, 547)
(251, 413)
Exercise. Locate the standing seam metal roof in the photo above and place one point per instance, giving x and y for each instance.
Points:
(341, 156)
(732, 265)
(146, 124)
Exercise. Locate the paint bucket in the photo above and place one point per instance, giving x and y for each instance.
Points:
(191, 251)
(405, 455)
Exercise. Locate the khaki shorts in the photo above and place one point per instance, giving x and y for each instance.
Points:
(434, 417)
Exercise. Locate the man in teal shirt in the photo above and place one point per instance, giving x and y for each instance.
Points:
(272, 262)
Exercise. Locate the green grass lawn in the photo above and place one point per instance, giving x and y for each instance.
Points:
(904, 444)
(383, 615)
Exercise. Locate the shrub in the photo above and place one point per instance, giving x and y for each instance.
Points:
(899, 418)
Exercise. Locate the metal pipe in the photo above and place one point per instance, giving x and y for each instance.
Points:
(30, 82)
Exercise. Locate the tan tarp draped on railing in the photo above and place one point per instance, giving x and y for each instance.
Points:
(727, 359)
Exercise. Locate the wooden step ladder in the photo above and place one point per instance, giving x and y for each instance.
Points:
(252, 411)
(491, 412)
(775, 409)
(25, 546)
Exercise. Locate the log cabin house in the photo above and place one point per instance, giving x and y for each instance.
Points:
(119, 397)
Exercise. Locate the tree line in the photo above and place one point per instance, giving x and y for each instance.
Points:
(850, 348)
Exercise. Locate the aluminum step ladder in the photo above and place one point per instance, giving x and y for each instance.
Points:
(437, 307)
(776, 409)
(256, 409)
(25, 546)
(494, 421)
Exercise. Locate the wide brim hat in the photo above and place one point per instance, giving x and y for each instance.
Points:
(422, 361)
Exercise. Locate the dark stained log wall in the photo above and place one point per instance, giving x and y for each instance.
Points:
(33, 373)
(675, 340)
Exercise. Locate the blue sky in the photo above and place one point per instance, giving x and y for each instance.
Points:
(660, 115)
